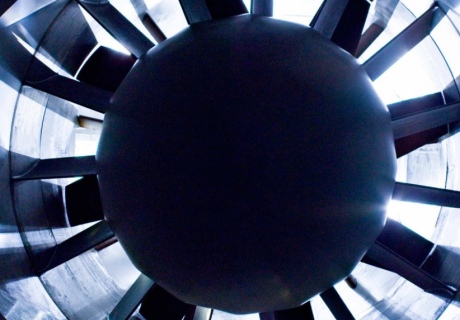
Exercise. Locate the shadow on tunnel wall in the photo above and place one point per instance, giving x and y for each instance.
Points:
(15, 263)
(34, 210)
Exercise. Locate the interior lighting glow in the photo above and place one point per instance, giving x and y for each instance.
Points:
(119, 266)
(102, 37)
(421, 218)
(39, 56)
(417, 7)
(86, 142)
(220, 315)
(295, 11)
(408, 78)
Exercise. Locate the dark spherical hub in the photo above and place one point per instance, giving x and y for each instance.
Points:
(245, 164)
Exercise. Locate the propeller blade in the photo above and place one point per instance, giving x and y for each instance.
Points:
(225, 8)
(450, 92)
(426, 195)
(408, 107)
(72, 247)
(160, 304)
(402, 251)
(436, 264)
(342, 22)
(317, 14)
(60, 168)
(83, 201)
(5, 5)
(106, 69)
(195, 11)
(367, 38)
(429, 119)
(42, 78)
(70, 24)
(23, 9)
(304, 312)
(383, 12)
(262, 7)
(151, 26)
(52, 200)
(77, 92)
(388, 260)
(410, 143)
(405, 242)
(402, 43)
(106, 244)
(118, 26)
(336, 305)
(132, 298)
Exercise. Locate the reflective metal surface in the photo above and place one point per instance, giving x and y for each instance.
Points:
(34, 124)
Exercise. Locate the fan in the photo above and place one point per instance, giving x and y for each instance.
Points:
(51, 62)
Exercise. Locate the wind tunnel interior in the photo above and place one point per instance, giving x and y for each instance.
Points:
(61, 62)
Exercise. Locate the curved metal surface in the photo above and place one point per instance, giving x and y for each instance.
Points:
(82, 288)
(42, 127)
(231, 150)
